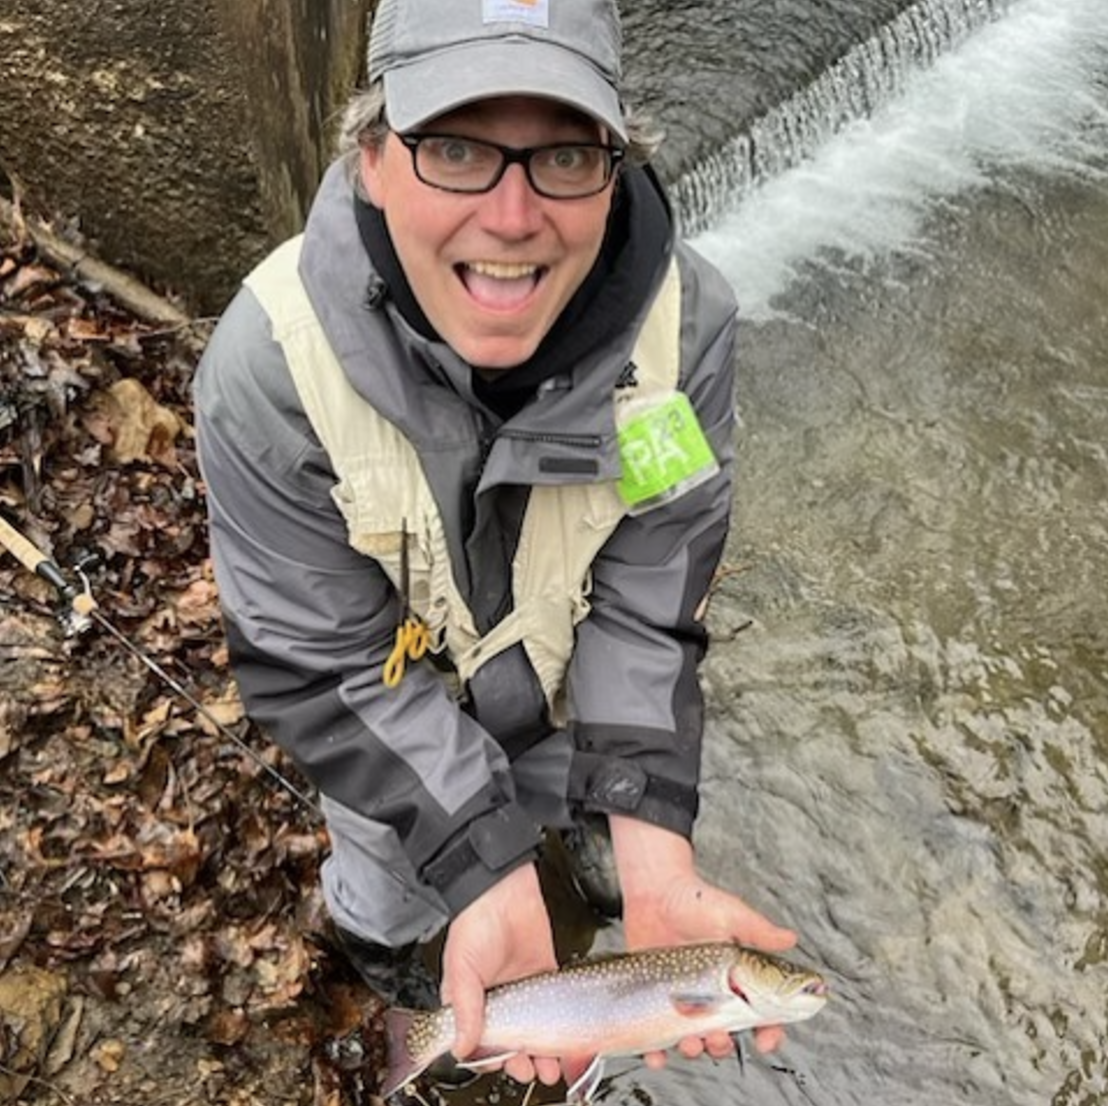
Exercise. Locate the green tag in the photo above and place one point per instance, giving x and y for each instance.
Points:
(664, 452)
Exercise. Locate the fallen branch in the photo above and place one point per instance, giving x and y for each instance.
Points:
(124, 289)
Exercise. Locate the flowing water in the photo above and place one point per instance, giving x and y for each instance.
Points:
(908, 690)
(908, 687)
(909, 683)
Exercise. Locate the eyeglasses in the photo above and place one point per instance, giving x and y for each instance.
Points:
(562, 171)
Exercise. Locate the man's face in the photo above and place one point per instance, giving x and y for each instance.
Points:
(492, 271)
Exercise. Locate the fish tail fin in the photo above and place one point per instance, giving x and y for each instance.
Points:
(401, 1066)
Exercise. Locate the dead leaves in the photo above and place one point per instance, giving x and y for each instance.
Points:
(140, 853)
(65, 351)
(126, 418)
(32, 680)
(31, 1005)
(272, 965)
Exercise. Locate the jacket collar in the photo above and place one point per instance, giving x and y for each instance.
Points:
(635, 245)
(419, 383)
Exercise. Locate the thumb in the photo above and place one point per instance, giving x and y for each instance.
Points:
(731, 917)
(754, 929)
(467, 999)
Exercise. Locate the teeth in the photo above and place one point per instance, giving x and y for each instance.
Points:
(503, 270)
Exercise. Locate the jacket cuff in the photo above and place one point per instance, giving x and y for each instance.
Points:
(481, 855)
(612, 785)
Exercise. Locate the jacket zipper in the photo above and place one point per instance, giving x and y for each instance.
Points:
(546, 437)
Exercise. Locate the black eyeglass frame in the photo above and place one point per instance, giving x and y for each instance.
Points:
(514, 155)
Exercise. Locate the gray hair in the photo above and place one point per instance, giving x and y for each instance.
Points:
(364, 123)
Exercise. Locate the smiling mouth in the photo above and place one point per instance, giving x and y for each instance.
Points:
(500, 285)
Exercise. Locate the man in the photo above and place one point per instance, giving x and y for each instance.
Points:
(468, 450)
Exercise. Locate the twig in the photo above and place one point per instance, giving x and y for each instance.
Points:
(726, 570)
(4, 1070)
(721, 574)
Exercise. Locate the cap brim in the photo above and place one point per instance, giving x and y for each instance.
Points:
(420, 91)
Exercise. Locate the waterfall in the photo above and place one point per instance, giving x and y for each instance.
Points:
(868, 76)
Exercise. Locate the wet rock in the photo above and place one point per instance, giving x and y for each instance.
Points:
(184, 139)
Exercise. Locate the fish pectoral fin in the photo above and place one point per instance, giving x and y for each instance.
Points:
(691, 1004)
(485, 1061)
(582, 1089)
(740, 1051)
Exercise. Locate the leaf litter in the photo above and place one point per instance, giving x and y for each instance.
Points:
(161, 936)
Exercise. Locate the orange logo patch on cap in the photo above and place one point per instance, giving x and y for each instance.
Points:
(534, 12)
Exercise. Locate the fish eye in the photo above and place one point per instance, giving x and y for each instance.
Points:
(816, 987)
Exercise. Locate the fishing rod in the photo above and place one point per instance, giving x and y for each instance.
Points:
(77, 612)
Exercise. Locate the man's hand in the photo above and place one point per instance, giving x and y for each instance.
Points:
(503, 935)
(665, 902)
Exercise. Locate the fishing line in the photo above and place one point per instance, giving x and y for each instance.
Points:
(78, 612)
(199, 707)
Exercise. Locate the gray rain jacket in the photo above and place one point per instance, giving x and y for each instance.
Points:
(310, 621)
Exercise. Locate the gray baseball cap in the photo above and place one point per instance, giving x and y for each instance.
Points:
(436, 55)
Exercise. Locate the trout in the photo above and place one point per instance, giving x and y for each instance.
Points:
(621, 1005)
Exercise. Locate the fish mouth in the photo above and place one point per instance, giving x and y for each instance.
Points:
(500, 285)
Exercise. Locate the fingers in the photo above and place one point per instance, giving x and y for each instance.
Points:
(769, 1038)
(520, 1068)
(763, 933)
(468, 1001)
(548, 1070)
(716, 1045)
(719, 1045)
(691, 1047)
(526, 1069)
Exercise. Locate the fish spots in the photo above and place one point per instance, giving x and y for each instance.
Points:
(624, 1004)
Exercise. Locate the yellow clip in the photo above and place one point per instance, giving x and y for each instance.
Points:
(412, 636)
(412, 640)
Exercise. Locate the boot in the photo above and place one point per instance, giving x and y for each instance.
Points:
(592, 864)
(398, 977)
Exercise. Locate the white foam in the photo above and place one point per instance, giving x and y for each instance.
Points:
(1028, 89)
